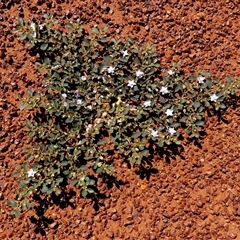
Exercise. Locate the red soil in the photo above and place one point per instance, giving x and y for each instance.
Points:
(195, 196)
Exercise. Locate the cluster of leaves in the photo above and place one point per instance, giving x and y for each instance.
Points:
(102, 96)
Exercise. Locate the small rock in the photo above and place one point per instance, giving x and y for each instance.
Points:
(129, 210)
(97, 218)
(114, 217)
(110, 234)
(86, 235)
(200, 204)
(128, 223)
(1, 196)
(152, 237)
(232, 235)
(53, 225)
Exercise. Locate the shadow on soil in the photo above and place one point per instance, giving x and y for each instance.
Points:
(145, 170)
(64, 200)
(42, 222)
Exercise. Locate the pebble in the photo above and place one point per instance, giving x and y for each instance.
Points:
(53, 225)
(232, 235)
(110, 234)
(128, 223)
(114, 217)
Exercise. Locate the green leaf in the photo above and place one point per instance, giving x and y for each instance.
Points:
(29, 205)
(23, 106)
(101, 142)
(64, 163)
(130, 40)
(207, 104)
(99, 170)
(175, 125)
(91, 182)
(209, 83)
(20, 21)
(199, 123)
(150, 72)
(103, 40)
(179, 87)
(94, 30)
(44, 46)
(65, 40)
(49, 191)
(74, 182)
(196, 104)
(229, 79)
(12, 203)
(160, 143)
(31, 134)
(16, 213)
(222, 106)
(90, 190)
(84, 192)
(124, 60)
(69, 120)
(69, 25)
(89, 157)
(66, 172)
(86, 42)
(22, 184)
(136, 135)
(15, 174)
(59, 180)
(23, 36)
(145, 153)
(137, 61)
(44, 188)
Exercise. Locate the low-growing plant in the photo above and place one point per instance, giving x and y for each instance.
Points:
(103, 96)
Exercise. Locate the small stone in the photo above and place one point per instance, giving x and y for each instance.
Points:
(152, 237)
(110, 234)
(53, 225)
(85, 235)
(232, 235)
(114, 217)
(200, 204)
(97, 218)
(194, 210)
(128, 223)
(1, 196)
(129, 210)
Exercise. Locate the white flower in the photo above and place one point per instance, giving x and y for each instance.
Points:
(99, 164)
(131, 83)
(200, 79)
(164, 90)
(139, 73)
(125, 53)
(64, 95)
(79, 102)
(154, 133)
(33, 26)
(169, 112)
(214, 97)
(171, 131)
(111, 69)
(147, 103)
(171, 72)
(83, 78)
(31, 173)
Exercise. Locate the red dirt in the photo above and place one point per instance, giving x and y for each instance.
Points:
(195, 196)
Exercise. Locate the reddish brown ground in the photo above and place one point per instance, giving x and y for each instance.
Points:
(195, 196)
